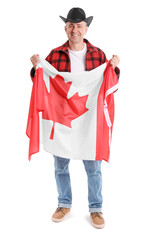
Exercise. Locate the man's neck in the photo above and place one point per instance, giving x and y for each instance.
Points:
(76, 46)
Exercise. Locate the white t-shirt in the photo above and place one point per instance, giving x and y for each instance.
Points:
(77, 59)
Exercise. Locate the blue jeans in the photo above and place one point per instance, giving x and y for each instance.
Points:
(93, 170)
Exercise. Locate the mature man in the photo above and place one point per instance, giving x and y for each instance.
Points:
(77, 55)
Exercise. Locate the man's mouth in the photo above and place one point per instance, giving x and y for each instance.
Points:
(75, 35)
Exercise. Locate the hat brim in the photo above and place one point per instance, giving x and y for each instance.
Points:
(87, 20)
(64, 19)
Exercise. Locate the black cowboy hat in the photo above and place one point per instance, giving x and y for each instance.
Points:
(76, 15)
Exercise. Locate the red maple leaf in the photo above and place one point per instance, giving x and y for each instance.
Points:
(60, 108)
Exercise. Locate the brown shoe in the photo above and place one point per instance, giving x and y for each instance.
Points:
(60, 214)
(97, 220)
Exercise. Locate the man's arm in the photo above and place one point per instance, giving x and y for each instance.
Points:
(35, 60)
(114, 62)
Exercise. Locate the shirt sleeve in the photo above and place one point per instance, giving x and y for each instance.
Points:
(32, 73)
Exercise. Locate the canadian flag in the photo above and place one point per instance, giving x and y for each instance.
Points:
(77, 112)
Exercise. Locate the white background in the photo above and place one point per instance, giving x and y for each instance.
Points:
(28, 195)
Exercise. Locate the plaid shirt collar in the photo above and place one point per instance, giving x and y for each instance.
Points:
(90, 47)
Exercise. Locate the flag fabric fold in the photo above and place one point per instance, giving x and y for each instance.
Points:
(77, 112)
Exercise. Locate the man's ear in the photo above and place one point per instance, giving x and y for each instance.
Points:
(86, 29)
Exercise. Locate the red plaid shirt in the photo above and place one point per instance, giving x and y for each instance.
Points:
(59, 58)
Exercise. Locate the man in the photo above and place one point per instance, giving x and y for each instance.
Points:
(77, 55)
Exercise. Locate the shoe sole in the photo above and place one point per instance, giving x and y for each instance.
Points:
(61, 219)
(97, 226)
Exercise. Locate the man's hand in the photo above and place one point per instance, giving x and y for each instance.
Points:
(35, 60)
(115, 61)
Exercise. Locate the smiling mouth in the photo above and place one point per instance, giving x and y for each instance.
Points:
(75, 35)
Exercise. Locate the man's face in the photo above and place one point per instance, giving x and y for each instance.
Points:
(76, 31)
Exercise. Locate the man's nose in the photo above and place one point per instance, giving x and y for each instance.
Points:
(74, 28)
